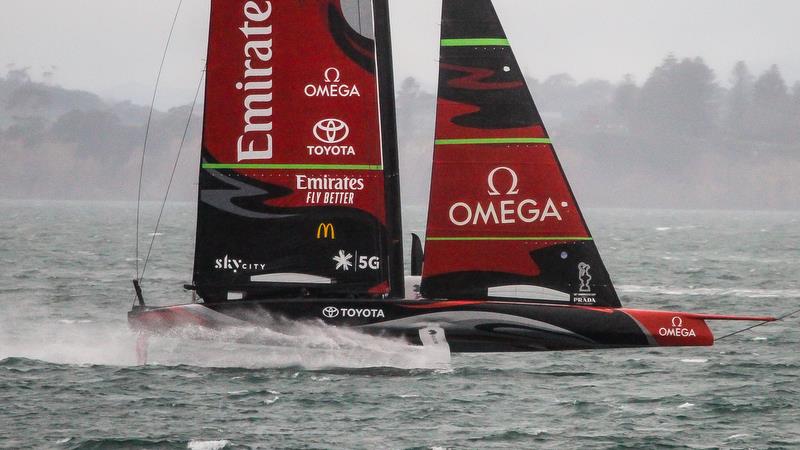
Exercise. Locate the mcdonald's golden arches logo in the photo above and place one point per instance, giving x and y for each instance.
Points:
(326, 231)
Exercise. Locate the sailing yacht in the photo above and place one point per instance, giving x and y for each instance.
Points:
(299, 209)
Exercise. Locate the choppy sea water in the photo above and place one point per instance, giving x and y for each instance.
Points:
(68, 378)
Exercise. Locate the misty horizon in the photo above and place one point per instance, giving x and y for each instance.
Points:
(623, 144)
(588, 40)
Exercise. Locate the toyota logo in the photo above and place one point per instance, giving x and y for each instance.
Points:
(330, 312)
(331, 131)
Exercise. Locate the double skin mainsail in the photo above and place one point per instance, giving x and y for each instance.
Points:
(298, 184)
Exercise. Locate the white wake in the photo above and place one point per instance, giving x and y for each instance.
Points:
(280, 344)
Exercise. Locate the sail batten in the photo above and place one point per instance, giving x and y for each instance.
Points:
(475, 42)
(509, 140)
(509, 238)
(292, 166)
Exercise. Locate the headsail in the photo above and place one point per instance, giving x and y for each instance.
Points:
(295, 197)
(502, 217)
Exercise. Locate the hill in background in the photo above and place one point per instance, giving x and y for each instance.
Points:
(680, 139)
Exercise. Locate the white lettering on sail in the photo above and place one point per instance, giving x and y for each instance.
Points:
(327, 190)
(331, 150)
(235, 265)
(326, 182)
(331, 131)
(256, 140)
(344, 261)
(584, 296)
(504, 211)
(332, 87)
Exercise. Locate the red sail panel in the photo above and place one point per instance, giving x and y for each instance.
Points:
(492, 204)
(292, 186)
(292, 88)
(501, 211)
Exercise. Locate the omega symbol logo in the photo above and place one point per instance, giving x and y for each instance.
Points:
(331, 131)
(330, 312)
(512, 190)
(677, 322)
(332, 75)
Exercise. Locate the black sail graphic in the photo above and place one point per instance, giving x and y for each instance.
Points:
(502, 217)
(298, 189)
(391, 163)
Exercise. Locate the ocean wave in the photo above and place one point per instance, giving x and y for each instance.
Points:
(126, 443)
(512, 436)
(710, 292)
(736, 437)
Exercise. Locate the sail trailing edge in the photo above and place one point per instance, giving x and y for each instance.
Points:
(293, 192)
(501, 212)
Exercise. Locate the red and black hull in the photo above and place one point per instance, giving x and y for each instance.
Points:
(469, 325)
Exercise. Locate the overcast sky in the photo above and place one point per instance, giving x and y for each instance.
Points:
(113, 47)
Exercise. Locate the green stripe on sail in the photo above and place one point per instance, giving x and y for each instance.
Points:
(293, 166)
(492, 141)
(511, 238)
(475, 42)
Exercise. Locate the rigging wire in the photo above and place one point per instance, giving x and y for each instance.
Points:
(174, 169)
(778, 319)
(147, 130)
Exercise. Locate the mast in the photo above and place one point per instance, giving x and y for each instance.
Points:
(391, 164)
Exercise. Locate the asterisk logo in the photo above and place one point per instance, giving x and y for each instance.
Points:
(343, 261)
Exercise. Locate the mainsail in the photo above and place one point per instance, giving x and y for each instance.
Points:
(502, 216)
(298, 189)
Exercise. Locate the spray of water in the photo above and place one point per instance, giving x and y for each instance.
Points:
(311, 345)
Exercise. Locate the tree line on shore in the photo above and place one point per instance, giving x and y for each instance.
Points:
(682, 138)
